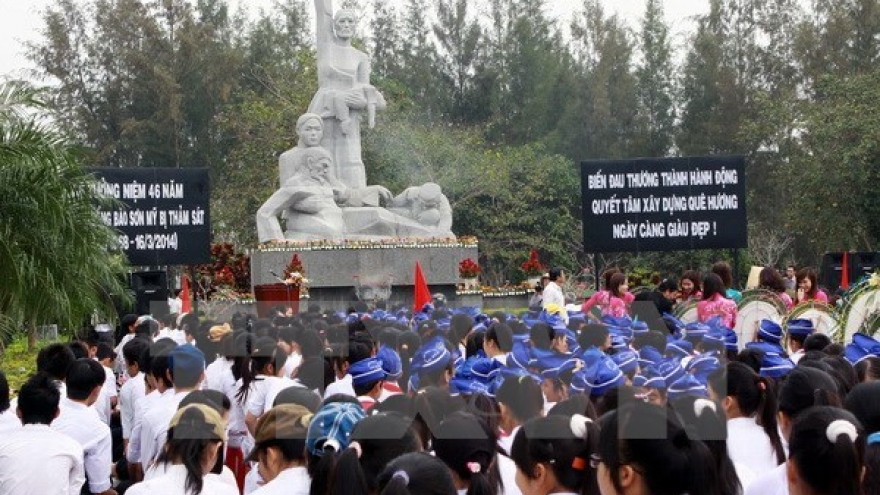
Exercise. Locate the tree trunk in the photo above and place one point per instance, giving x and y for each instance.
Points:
(31, 336)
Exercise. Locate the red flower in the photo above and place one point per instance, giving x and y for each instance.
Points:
(533, 266)
(468, 268)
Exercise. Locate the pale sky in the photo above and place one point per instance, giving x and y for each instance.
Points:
(20, 21)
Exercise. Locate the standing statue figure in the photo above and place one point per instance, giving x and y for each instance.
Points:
(344, 92)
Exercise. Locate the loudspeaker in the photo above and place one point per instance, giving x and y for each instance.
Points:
(862, 264)
(151, 293)
(832, 271)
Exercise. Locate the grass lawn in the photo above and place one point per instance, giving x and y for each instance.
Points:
(18, 363)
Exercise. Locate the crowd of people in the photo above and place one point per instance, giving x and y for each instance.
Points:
(454, 401)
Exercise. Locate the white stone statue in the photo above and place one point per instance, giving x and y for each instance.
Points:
(344, 92)
(323, 190)
(427, 205)
(310, 195)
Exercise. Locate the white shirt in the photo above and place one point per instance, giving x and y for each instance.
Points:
(155, 425)
(291, 481)
(275, 388)
(748, 444)
(252, 480)
(175, 305)
(82, 424)
(553, 295)
(173, 482)
(130, 395)
(155, 419)
(214, 373)
(507, 470)
(134, 441)
(796, 356)
(292, 363)
(9, 421)
(121, 364)
(160, 469)
(257, 399)
(103, 404)
(36, 459)
(507, 442)
(774, 482)
(237, 428)
(340, 386)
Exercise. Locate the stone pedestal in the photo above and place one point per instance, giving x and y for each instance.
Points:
(335, 271)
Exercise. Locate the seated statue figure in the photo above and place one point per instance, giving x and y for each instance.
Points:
(427, 205)
(312, 197)
(309, 131)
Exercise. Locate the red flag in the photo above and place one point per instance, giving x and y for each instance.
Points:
(844, 271)
(185, 296)
(422, 295)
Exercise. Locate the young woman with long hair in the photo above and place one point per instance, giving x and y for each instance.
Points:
(195, 437)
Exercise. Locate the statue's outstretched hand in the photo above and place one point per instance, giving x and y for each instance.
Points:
(381, 191)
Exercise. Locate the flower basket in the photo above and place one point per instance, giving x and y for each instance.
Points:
(469, 269)
(533, 266)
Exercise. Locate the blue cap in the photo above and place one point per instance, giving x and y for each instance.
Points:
(545, 359)
(676, 324)
(591, 355)
(695, 331)
(618, 343)
(800, 326)
(390, 362)
(770, 331)
(862, 346)
(866, 342)
(431, 359)
(649, 377)
(714, 336)
(483, 369)
(855, 354)
(555, 372)
(671, 371)
(703, 366)
(619, 325)
(603, 376)
(679, 349)
(366, 371)
(627, 361)
(186, 360)
(648, 355)
(775, 366)
(462, 386)
(520, 355)
(640, 327)
(331, 426)
(766, 348)
(555, 321)
(731, 341)
(687, 386)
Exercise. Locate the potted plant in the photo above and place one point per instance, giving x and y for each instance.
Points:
(469, 272)
(533, 268)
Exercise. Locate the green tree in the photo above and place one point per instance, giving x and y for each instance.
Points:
(840, 168)
(656, 82)
(140, 84)
(53, 245)
(458, 37)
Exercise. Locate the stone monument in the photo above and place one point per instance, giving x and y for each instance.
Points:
(323, 194)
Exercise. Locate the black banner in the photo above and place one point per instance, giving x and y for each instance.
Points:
(664, 204)
(164, 218)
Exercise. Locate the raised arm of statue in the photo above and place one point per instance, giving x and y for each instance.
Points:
(324, 20)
